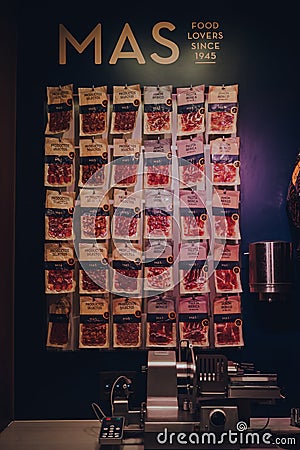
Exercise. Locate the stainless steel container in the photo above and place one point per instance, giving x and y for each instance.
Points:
(270, 269)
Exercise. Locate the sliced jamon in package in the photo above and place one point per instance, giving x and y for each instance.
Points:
(158, 107)
(225, 161)
(127, 268)
(59, 326)
(158, 214)
(193, 268)
(59, 109)
(126, 104)
(59, 268)
(228, 330)
(126, 220)
(190, 110)
(193, 319)
(93, 168)
(193, 215)
(93, 103)
(93, 271)
(126, 157)
(59, 162)
(59, 215)
(191, 166)
(95, 218)
(158, 266)
(225, 212)
(161, 321)
(94, 322)
(222, 111)
(227, 275)
(158, 163)
(127, 328)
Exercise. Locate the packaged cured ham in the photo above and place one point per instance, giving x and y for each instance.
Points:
(59, 326)
(59, 162)
(59, 215)
(225, 161)
(95, 214)
(59, 109)
(93, 103)
(125, 164)
(127, 268)
(126, 220)
(193, 319)
(93, 168)
(222, 104)
(93, 271)
(158, 272)
(94, 322)
(158, 107)
(126, 104)
(127, 328)
(227, 275)
(161, 321)
(225, 211)
(191, 166)
(193, 268)
(190, 110)
(193, 215)
(158, 163)
(158, 214)
(228, 330)
(59, 268)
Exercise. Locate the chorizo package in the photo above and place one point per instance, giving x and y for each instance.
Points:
(190, 110)
(161, 321)
(227, 268)
(126, 104)
(193, 268)
(228, 331)
(95, 214)
(59, 268)
(158, 275)
(93, 168)
(94, 322)
(59, 215)
(127, 268)
(93, 271)
(126, 157)
(158, 107)
(191, 166)
(193, 319)
(225, 214)
(59, 162)
(93, 103)
(224, 154)
(126, 220)
(193, 215)
(127, 328)
(59, 327)
(222, 111)
(158, 163)
(59, 109)
(158, 214)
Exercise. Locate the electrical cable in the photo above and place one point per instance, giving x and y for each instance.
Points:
(95, 406)
(263, 428)
(113, 388)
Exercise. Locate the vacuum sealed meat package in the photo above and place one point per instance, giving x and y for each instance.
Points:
(59, 326)
(193, 215)
(93, 163)
(193, 319)
(93, 103)
(159, 261)
(93, 271)
(158, 107)
(161, 321)
(222, 111)
(158, 214)
(95, 217)
(225, 214)
(127, 328)
(127, 268)
(227, 275)
(126, 220)
(125, 164)
(190, 110)
(126, 104)
(225, 161)
(94, 322)
(193, 268)
(59, 268)
(158, 163)
(228, 330)
(191, 165)
(59, 215)
(59, 109)
(59, 162)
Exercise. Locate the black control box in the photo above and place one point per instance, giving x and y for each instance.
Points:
(111, 431)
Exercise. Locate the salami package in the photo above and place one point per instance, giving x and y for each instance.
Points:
(59, 215)
(158, 274)
(225, 161)
(161, 321)
(95, 217)
(126, 157)
(94, 322)
(59, 109)
(126, 104)
(190, 110)
(228, 323)
(191, 166)
(193, 268)
(59, 162)
(59, 327)
(193, 319)
(127, 328)
(158, 214)
(158, 163)
(127, 268)
(93, 271)
(93, 168)
(227, 268)
(222, 109)
(59, 268)
(193, 215)
(158, 109)
(225, 211)
(126, 220)
(93, 103)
